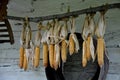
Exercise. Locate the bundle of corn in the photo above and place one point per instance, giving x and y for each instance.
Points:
(64, 43)
(29, 47)
(37, 46)
(90, 46)
(50, 42)
(22, 42)
(57, 28)
(85, 32)
(73, 41)
(45, 47)
(100, 31)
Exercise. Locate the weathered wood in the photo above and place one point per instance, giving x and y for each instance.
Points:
(2, 25)
(4, 41)
(9, 31)
(3, 30)
(4, 35)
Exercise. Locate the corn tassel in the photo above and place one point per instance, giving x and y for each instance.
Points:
(21, 57)
(51, 55)
(37, 56)
(84, 57)
(25, 64)
(64, 51)
(45, 54)
(71, 45)
(100, 51)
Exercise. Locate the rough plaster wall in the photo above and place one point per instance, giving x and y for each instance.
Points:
(9, 54)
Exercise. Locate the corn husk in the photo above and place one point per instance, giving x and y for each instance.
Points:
(101, 26)
(28, 37)
(38, 38)
(86, 28)
(50, 35)
(57, 56)
(77, 47)
(23, 35)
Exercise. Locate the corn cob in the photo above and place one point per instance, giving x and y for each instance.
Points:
(55, 58)
(25, 64)
(100, 51)
(88, 54)
(71, 45)
(84, 57)
(37, 56)
(21, 57)
(51, 55)
(64, 51)
(45, 54)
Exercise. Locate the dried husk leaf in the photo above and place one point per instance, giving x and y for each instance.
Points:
(38, 38)
(57, 58)
(77, 47)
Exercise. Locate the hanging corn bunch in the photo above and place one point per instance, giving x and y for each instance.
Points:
(90, 46)
(73, 41)
(64, 43)
(57, 28)
(85, 32)
(45, 47)
(28, 45)
(50, 42)
(37, 46)
(100, 31)
(22, 42)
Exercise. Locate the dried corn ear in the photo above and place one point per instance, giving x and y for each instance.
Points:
(64, 51)
(37, 56)
(51, 55)
(77, 47)
(25, 64)
(21, 57)
(92, 49)
(45, 54)
(100, 51)
(88, 54)
(71, 45)
(84, 58)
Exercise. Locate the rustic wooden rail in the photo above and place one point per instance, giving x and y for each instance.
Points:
(73, 13)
